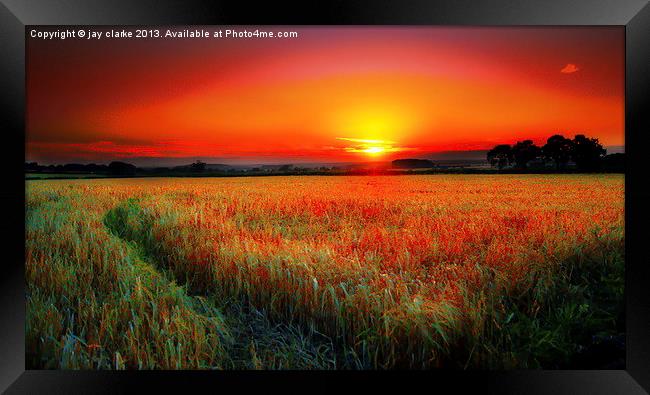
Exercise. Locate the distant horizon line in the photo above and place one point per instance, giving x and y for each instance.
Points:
(151, 161)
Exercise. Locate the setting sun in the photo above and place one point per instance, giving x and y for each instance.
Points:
(374, 150)
(372, 147)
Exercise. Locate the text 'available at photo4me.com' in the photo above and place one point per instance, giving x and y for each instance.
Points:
(84, 33)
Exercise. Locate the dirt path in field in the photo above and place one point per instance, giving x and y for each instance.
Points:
(254, 342)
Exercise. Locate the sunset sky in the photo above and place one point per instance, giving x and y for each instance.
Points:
(335, 94)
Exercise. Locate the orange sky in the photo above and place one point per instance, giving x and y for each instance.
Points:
(332, 94)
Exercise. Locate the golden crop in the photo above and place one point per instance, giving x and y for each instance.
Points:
(413, 271)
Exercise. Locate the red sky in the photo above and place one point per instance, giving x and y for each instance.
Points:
(332, 94)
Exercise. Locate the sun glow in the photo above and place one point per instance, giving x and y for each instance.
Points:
(372, 147)
(374, 150)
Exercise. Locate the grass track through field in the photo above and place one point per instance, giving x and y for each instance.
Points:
(251, 340)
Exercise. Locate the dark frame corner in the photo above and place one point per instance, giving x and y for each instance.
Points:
(633, 14)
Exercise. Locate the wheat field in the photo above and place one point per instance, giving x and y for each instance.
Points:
(310, 272)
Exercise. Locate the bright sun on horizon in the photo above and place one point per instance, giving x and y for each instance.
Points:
(374, 150)
(371, 147)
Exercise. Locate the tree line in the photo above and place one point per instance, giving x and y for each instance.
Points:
(587, 154)
(114, 168)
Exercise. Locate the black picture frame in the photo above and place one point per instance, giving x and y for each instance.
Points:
(15, 15)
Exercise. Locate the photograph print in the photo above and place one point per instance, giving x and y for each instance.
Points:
(324, 198)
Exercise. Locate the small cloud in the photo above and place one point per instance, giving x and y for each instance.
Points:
(569, 69)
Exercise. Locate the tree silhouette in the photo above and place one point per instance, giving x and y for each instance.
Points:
(614, 162)
(32, 166)
(500, 156)
(587, 153)
(121, 168)
(559, 149)
(197, 167)
(525, 151)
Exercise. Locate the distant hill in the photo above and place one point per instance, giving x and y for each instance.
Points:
(208, 166)
(468, 155)
(217, 166)
(413, 164)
